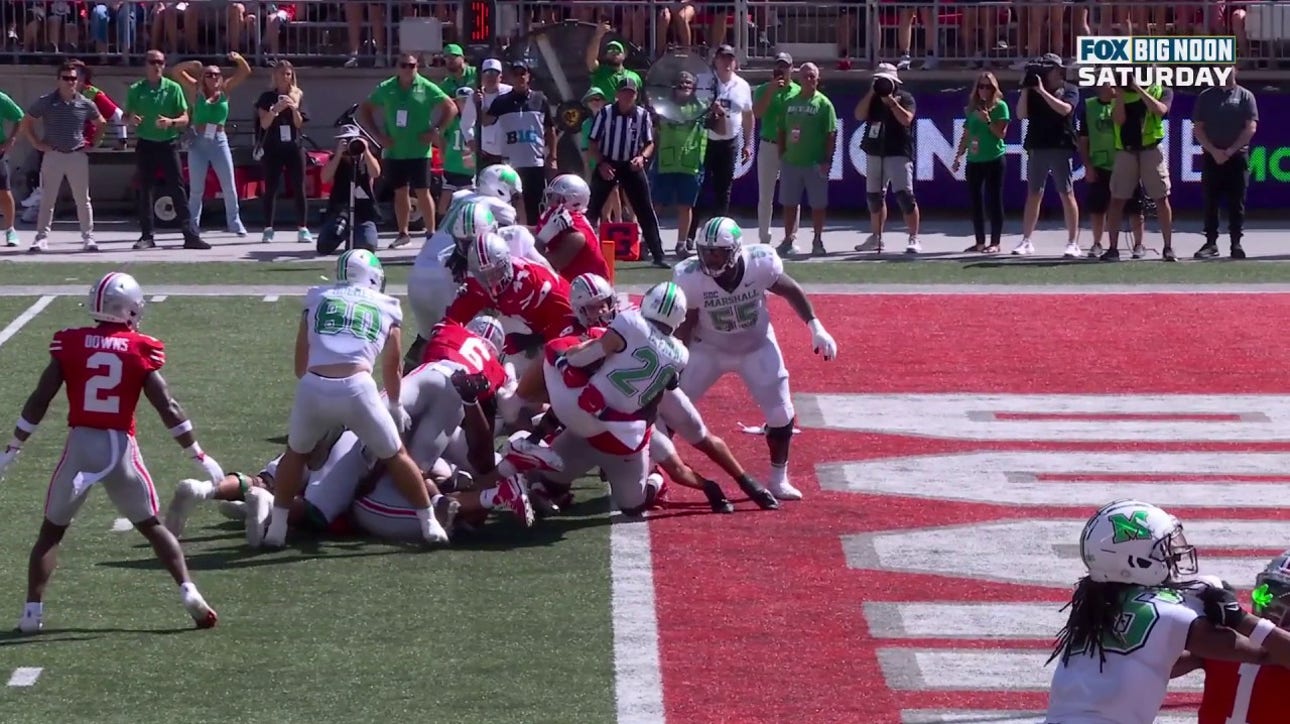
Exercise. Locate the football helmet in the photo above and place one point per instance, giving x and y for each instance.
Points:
(360, 268)
(489, 329)
(1129, 541)
(116, 298)
(1271, 594)
(664, 304)
(489, 262)
(567, 191)
(718, 244)
(593, 300)
(471, 221)
(500, 181)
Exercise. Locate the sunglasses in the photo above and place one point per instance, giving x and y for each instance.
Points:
(67, 78)
(407, 65)
(214, 75)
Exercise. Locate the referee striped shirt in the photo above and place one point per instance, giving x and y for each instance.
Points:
(622, 135)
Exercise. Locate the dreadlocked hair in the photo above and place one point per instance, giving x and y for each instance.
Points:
(1094, 609)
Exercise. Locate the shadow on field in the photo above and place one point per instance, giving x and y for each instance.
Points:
(71, 635)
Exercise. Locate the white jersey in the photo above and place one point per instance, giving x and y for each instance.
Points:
(522, 244)
(737, 321)
(643, 370)
(1130, 687)
(349, 324)
(502, 211)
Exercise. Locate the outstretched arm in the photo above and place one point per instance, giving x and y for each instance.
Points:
(177, 422)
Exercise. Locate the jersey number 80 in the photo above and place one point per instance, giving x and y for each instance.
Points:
(358, 319)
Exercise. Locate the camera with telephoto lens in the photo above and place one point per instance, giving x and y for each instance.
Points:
(883, 86)
(1034, 74)
(357, 147)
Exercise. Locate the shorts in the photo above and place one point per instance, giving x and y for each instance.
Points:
(794, 180)
(1149, 167)
(100, 457)
(1099, 195)
(1044, 162)
(881, 171)
(676, 189)
(409, 173)
(762, 370)
(455, 181)
(323, 403)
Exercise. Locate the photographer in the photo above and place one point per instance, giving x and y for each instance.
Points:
(887, 111)
(1139, 117)
(352, 163)
(768, 106)
(1049, 103)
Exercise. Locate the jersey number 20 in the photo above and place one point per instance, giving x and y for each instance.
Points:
(358, 319)
(645, 381)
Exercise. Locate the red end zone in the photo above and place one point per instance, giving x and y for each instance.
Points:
(761, 618)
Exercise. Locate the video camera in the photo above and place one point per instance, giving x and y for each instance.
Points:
(1035, 72)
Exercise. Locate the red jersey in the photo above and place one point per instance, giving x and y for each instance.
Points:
(589, 259)
(535, 295)
(106, 106)
(451, 342)
(1230, 698)
(104, 368)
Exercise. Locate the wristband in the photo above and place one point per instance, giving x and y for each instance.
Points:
(815, 326)
(27, 427)
(195, 451)
(1261, 631)
(181, 428)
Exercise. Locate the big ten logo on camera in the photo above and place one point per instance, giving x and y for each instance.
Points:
(527, 135)
(1148, 60)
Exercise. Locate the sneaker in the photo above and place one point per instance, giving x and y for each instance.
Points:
(1208, 251)
(873, 242)
(904, 62)
(239, 231)
(660, 264)
(259, 507)
(1096, 251)
(1024, 248)
(31, 623)
(1168, 254)
(193, 241)
(913, 247)
(10, 237)
(304, 237)
(1237, 251)
(785, 491)
(1073, 251)
(1139, 251)
(267, 236)
(39, 244)
(88, 243)
(181, 506)
(512, 496)
(786, 248)
(684, 249)
(203, 615)
(1110, 255)
(401, 240)
(145, 242)
(817, 248)
(527, 456)
(352, 61)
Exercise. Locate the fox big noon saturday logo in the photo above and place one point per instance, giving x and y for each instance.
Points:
(1181, 62)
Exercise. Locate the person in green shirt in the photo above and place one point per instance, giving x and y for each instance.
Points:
(460, 73)
(459, 151)
(1096, 141)
(9, 111)
(607, 70)
(680, 148)
(157, 108)
(594, 100)
(414, 114)
(982, 144)
(769, 100)
(807, 137)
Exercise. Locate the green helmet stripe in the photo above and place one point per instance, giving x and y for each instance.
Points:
(669, 299)
(342, 266)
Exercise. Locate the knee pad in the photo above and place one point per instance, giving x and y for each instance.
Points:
(781, 433)
(906, 201)
(874, 201)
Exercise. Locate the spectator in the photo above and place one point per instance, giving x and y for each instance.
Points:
(165, 26)
(1097, 148)
(209, 148)
(108, 107)
(278, 17)
(414, 112)
(126, 15)
(680, 167)
(807, 140)
(1049, 103)
(768, 106)
(58, 20)
(1224, 121)
(730, 139)
(926, 12)
(982, 144)
(594, 100)
(607, 70)
(523, 118)
(491, 87)
(11, 113)
(203, 22)
(282, 115)
(354, 24)
(1045, 29)
(622, 142)
(678, 19)
(460, 73)
(352, 163)
(887, 111)
(64, 113)
(158, 110)
(459, 156)
(1139, 117)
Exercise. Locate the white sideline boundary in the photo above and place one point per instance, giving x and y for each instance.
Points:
(638, 678)
(27, 315)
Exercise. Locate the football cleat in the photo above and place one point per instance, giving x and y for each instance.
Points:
(717, 498)
(759, 495)
(203, 615)
(528, 456)
(31, 623)
(259, 507)
(181, 506)
(446, 511)
(512, 496)
(785, 491)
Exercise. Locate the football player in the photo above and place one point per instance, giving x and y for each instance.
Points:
(106, 367)
(497, 188)
(343, 330)
(1140, 571)
(728, 329)
(564, 235)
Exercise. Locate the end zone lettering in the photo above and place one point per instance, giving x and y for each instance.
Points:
(1119, 76)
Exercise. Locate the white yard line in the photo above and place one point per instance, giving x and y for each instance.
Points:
(159, 298)
(29, 314)
(271, 298)
(25, 675)
(638, 688)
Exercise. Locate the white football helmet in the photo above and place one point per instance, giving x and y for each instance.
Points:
(470, 222)
(360, 268)
(664, 304)
(489, 262)
(500, 181)
(489, 329)
(718, 244)
(116, 298)
(1129, 541)
(593, 300)
(567, 191)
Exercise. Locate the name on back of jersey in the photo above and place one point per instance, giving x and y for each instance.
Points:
(111, 344)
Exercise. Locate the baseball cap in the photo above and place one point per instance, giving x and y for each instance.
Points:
(615, 47)
(1052, 59)
(492, 64)
(888, 71)
(725, 50)
(452, 50)
(519, 65)
(593, 93)
(347, 132)
(628, 84)
(784, 58)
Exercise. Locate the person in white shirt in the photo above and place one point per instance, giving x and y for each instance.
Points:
(490, 140)
(729, 143)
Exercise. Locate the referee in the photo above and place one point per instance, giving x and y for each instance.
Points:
(622, 142)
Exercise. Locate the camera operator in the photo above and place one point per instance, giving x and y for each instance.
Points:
(352, 163)
(1049, 103)
(887, 111)
(1139, 116)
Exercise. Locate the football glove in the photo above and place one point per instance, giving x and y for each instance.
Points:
(560, 222)
(208, 464)
(1221, 606)
(8, 456)
(402, 419)
(821, 341)
(469, 386)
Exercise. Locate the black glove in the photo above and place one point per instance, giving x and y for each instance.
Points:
(1221, 606)
(457, 265)
(469, 386)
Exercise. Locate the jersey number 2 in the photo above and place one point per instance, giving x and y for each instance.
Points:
(107, 369)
